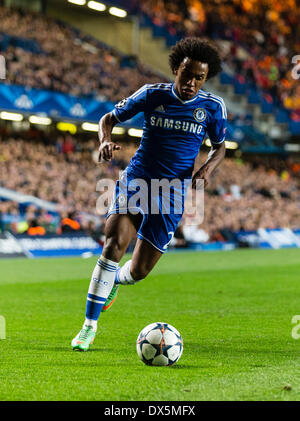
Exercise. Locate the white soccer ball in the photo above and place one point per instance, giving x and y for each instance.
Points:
(159, 344)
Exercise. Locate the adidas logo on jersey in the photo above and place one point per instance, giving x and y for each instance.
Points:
(160, 109)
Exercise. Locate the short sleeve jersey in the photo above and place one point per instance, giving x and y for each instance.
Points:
(173, 129)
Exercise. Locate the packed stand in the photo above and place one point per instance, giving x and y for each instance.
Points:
(267, 31)
(246, 196)
(241, 195)
(45, 54)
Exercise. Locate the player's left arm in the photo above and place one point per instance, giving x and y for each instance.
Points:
(215, 157)
(216, 131)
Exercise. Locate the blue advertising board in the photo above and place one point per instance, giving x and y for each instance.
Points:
(59, 245)
(57, 105)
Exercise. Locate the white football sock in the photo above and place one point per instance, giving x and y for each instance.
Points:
(123, 275)
(90, 322)
(101, 284)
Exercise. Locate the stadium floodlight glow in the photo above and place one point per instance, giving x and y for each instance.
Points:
(115, 11)
(135, 132)
(66, 127)
(35, 119)
(78, 2)
(228, 144)
(4, 115)
(90, 127)
(95, 5)
(292, 147)
(231, 145)
(118, 130)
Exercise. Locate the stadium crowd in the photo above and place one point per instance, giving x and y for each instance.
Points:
(62, 168)
(263, 39)
(241, 196)
(263, 35)
(62, 59)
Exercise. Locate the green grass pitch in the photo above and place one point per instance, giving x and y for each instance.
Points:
(233, 309)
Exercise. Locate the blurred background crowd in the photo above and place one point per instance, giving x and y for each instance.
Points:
(245, 193)
(264, 35)
(267, 30)
(259, 193)
(29, 41)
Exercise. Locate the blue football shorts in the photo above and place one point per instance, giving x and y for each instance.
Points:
(160, 207)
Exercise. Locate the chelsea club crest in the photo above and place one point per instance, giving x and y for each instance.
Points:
(199, 114)
(122, 103)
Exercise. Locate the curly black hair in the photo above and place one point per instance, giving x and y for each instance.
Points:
(196, 49)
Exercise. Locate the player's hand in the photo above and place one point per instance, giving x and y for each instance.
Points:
(106, 150)
(201, 174)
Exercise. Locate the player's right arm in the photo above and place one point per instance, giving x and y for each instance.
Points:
(106, 148)
(124, 110)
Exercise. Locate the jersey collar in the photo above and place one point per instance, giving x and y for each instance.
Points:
(183, 102)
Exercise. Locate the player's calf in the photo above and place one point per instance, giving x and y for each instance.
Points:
(123, 276)
(144, 259)
(129, 275)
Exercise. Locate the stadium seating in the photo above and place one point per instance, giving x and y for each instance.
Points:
(99, 72)
(60, 170)
(29, 42)
(264, 64)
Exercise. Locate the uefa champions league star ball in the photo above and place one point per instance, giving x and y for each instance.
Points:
(159, 344)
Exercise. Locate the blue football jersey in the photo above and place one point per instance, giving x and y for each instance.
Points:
(173, 129)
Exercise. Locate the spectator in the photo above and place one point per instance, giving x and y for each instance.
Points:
(35, 229)
(263, 192)
(69, 224)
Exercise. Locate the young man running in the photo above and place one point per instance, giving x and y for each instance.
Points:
(177, 118)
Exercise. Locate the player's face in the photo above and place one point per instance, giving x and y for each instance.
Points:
(190, 76)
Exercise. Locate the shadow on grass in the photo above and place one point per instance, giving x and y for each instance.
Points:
(186, 366)
(232, 349)
(69, 349)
